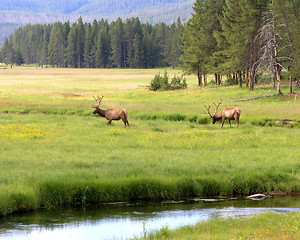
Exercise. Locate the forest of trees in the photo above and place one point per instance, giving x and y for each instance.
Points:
(122, 44)
(243, 39)
(246, 40)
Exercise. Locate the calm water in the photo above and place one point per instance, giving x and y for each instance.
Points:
(123, 221)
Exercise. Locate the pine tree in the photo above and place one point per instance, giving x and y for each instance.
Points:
(118, 44)
(93, 39)
(57, 46)
(9, 54)
(138, 50)
(172, 50)
(87, 46)
(71, 50)
(44, 50)
(80, 43)
(237, 40)
(198, 40)
(103, 47)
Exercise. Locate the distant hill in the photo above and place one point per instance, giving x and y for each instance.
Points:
(14, 13)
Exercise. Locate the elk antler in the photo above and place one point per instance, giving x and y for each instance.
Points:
(98, 101)
(207, 108)
(217, 106)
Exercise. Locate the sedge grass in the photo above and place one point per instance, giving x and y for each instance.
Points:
(263, 226)
(54, 152)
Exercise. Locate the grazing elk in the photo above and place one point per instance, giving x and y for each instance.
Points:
(227, 113)
(110, 114)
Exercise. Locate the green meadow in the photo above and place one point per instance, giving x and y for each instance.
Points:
(53, 151)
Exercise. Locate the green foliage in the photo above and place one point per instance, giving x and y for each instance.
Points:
(162, 82)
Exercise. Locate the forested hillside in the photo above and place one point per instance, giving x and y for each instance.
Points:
(21, 12)
(91, 7)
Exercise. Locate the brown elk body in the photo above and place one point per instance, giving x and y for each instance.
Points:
(227, 113)
(110, 114)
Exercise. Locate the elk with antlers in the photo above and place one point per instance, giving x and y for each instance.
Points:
(110, 114)
(227, 113)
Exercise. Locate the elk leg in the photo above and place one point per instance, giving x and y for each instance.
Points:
(109, 122)
(223, 120)
(229, 122)
(124, 121)
(237, 120)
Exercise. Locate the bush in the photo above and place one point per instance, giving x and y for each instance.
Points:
(162, 83)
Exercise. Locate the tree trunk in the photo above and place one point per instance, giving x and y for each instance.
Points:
(278, 80)
(199, 78)
(219, 79)
(204, 79)
(291, 84)
(252, 78)
(240, 78)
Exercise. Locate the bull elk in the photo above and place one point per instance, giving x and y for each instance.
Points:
(227, 113)
(110, 114)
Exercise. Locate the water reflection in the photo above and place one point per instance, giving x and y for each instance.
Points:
(123, 221)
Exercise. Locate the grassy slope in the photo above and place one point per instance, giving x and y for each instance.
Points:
(74, 158)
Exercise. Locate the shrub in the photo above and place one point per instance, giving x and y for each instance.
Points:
(162, 83)
(178, 83)
(155, 83)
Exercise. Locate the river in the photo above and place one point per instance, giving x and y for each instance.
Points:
(124, 220)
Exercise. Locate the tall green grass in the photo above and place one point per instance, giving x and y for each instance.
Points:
(264, 226)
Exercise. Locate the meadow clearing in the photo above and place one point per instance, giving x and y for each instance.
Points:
(53, 151)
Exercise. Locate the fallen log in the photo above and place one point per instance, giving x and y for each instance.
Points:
(257, 196)
(249, 99)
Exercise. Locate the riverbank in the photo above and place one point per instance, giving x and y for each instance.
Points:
(263, 226)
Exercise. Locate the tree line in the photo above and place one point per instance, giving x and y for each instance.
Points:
(245, 40)
(122, 44)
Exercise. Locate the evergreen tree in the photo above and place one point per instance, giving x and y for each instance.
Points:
(138, 52)
(199, 42)
(118, 44)
(71, 51)
(57, 46)
(238, 44)
(93, 39)
(172, 50)
(87, 46)
(9, 54)
(44, 50)
(103, 47)
(80, 43)
(148, 46)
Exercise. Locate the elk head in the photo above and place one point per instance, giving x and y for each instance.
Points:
(208, 111)
(97, 103)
